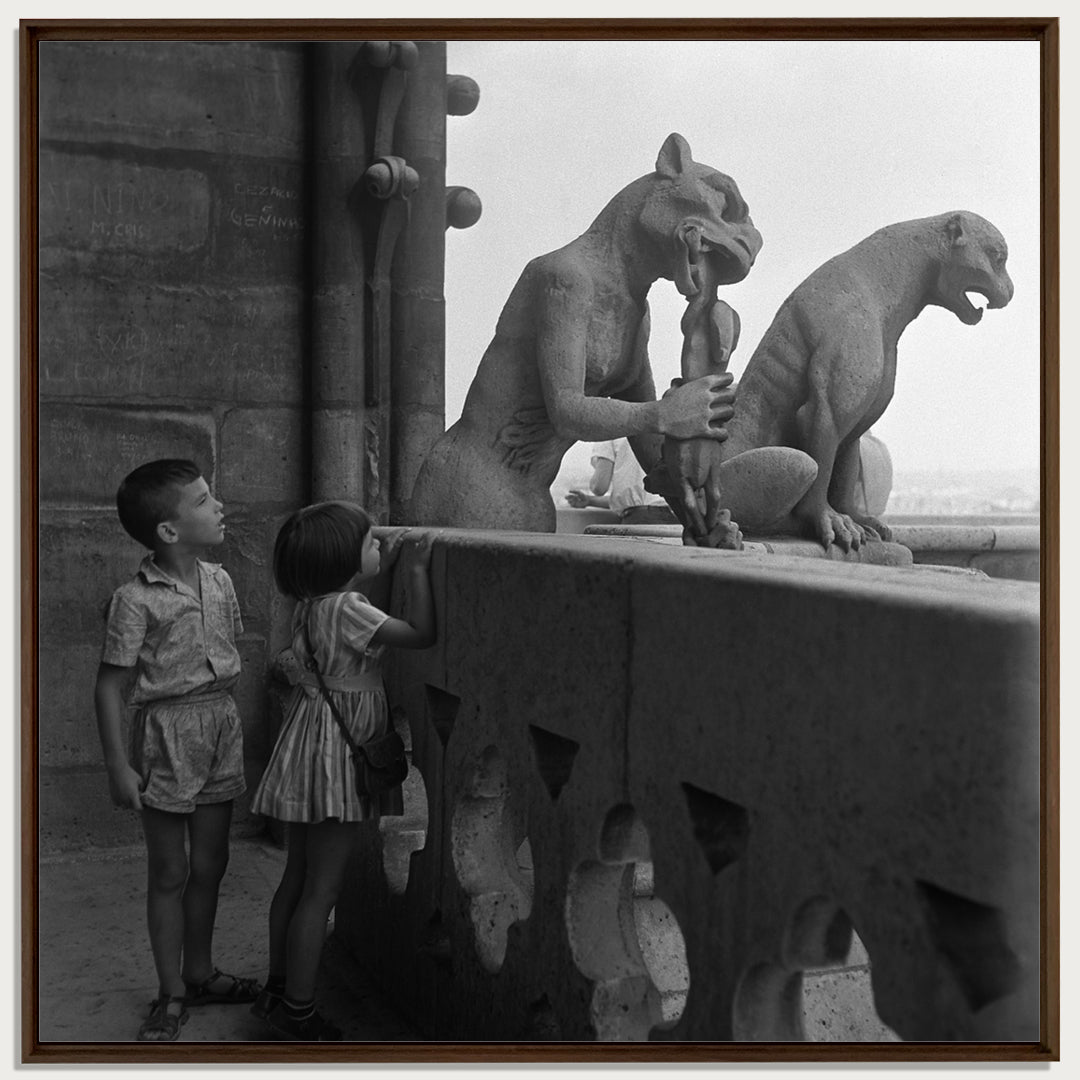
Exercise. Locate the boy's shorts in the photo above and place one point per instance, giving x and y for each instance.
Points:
(189, 752)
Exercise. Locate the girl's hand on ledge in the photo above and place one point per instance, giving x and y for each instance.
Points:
(390, 546)
(420, 551)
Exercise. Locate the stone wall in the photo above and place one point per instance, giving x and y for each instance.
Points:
(173, 224)
(653, 785)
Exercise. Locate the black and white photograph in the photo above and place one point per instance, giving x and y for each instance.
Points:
(540, 541)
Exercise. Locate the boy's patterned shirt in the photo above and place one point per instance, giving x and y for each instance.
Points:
(177, 644)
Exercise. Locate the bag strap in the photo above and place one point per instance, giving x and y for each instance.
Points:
(353, 745)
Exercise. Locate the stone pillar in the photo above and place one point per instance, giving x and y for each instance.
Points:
(418, 328)
(337, 277)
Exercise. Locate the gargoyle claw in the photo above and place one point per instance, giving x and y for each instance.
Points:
(725, 534)
(871, 527)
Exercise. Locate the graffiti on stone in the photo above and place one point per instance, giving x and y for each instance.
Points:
(267, 207)
(171, 344)
(83, 450)
(92, 203)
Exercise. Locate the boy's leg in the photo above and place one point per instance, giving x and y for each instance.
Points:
(208, 829)
(167, 872)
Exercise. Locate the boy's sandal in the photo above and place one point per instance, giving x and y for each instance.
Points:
(239, 992)
(162, 1025)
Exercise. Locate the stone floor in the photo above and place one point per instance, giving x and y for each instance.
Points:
(96, 974)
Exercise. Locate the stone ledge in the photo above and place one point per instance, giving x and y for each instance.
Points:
(980, 537)
(955, 546)
(938, 587)
(876, 554)
(967, 537)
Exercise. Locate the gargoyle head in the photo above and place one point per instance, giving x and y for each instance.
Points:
(973, 261)
(699, 214)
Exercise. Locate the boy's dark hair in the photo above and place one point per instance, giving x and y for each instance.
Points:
(150, 495)
(318, 548)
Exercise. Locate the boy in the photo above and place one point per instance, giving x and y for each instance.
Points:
(175, 624)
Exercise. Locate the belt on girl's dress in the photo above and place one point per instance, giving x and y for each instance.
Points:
(363, 680)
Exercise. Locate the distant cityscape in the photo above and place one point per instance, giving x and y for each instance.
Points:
(965, 493)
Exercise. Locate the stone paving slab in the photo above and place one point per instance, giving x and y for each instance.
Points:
(96, 974)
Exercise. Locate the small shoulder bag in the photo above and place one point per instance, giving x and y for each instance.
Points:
(379, 764)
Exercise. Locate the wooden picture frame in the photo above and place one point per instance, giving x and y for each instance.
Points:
(1045, 31)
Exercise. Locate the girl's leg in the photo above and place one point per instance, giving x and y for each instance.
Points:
(208, 829)
(282, 906)
(328, 846)
(287, 897)
(167, 873)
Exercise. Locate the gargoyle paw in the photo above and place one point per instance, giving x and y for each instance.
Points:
(839, 529)
(725, 534)
(873, 529)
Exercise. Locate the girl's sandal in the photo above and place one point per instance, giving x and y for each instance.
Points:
(265, 1003)
(312, 1028)
(240, 991)
(162, 1025)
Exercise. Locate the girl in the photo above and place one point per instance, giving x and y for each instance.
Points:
(324, 555)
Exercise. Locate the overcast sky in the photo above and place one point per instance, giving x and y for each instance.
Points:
(828, 141)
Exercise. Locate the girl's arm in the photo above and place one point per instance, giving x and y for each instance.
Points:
(418, 631)
(124, 781)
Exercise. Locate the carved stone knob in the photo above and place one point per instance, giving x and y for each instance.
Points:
(462, 94)
(391, 176)
(381, 54)
(463, 207)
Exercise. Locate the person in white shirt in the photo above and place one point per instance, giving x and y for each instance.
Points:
(617, 483)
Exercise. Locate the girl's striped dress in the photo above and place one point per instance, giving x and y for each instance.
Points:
(310, 775)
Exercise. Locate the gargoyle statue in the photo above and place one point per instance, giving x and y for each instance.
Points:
(825, 369)
(569, 361)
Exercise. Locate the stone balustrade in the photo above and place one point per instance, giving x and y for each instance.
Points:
(678, 794)
(1000, 550)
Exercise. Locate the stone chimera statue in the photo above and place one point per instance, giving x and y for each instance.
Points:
(824, 371)
(569, 358)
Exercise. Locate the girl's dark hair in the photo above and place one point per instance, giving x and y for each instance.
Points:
(151, 494)
(318, 548)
